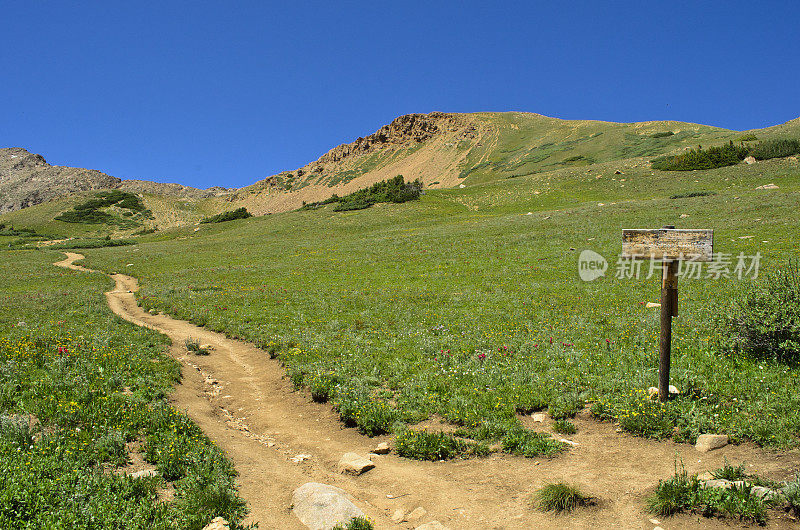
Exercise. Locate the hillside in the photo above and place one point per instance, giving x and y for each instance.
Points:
(26, 179)
(443, 150)
(446, 150)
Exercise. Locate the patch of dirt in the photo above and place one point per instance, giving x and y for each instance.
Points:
(243, 401)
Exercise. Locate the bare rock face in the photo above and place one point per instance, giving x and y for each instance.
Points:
(406, 129)
(27, 179)
(321, 507)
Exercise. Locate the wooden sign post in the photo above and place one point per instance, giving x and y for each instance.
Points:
(670, 246)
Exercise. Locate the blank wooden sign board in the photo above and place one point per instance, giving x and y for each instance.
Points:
(669, 246)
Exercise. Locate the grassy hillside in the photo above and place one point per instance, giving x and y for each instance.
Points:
(467, 304)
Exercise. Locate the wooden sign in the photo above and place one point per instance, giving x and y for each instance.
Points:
(668, 244)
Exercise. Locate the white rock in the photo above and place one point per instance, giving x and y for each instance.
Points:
(321, 507)
(416, 514)
(769, 186)
(354, 464)
(144, 473)
(539, 417)
(709, 442)
(218, 523)
(398, 516)
(568, 442)
(382, 449)
(750, 160)
(297, 459)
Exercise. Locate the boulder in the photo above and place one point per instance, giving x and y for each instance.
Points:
(709, 442)
(354, 464)
(398, 516)
(321, 507)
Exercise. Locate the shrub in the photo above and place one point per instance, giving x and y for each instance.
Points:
(560, 497)
(663, 134)
(792, 493)
(713, 157)
(89, 212)
(395, 190)
(239, 213)
(765, 321)
(776, 148)
(749, 137)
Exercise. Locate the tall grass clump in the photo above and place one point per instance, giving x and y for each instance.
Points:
(560, 497)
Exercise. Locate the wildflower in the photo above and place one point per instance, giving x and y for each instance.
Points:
(481, 357)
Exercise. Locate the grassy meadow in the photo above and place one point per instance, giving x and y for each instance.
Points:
(467, 305)
(80, 390)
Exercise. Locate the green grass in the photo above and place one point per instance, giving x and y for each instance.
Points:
(560, 497)
(77, 384)
(463, 306)
(685, 493)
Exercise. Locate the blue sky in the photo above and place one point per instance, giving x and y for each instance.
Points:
(226, 93)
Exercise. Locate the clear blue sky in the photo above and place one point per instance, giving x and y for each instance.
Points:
(225, 93)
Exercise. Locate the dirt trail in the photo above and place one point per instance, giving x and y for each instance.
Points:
(241, 400)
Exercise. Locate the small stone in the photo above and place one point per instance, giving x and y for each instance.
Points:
(653, 304)
(568, 442)
(702, 477)
(144, 473)
(717, 483)
(218, 523)
(433, 525)
(750, 160)
(399, 515)
(769, 186)
(674, 390)
(539, 417)
(765, 493)
(354, 464)
(382, 449)
(298, 459)
(684, 215)
(207, 347)
(709, 442)
(652, 392)
(654, 521)
(416, 514)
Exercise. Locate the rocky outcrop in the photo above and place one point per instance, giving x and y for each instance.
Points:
(406, 129)
(26, 179)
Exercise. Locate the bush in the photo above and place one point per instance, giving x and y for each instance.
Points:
(239, 213)
(713, 157)
(765, 321)
(792, 492)
(89, 212)
(777, 148)
(663, 134)
(560, 497)
(395, 190)
(750, 137)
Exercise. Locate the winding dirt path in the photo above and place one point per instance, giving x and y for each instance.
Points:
(241, 400)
